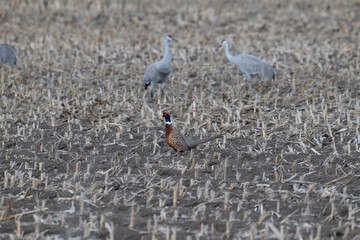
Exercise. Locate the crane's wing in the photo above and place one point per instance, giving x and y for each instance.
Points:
(7, 54)
(254, 65)
(150, 73)
(164, 69)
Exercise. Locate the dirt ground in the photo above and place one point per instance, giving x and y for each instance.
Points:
(83, 153)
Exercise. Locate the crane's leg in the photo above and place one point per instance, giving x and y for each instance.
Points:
(273, 77)
(249, 80)
(152, 89)
(269, 81)
(270, 78)
(162, 89)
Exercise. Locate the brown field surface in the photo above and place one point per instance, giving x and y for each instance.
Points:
(82, 147)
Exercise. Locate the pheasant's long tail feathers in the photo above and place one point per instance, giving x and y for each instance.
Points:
(204, 140)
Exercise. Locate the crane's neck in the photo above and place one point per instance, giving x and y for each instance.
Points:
(228, 55)
(166, 56)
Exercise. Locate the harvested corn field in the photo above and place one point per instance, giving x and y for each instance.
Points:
(83, 150)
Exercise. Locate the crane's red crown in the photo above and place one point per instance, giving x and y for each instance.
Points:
(165, 114)
(169, 36)
(223, 40)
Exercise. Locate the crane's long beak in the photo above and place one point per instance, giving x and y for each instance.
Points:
(174, 39)
(219, 47)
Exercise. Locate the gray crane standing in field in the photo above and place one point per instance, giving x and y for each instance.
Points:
(7, 54)
(159, 71)
(249, 64)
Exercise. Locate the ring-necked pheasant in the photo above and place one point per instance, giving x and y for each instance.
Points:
(178, 141)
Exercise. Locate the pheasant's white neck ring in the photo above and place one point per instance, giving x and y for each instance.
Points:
(168, 123)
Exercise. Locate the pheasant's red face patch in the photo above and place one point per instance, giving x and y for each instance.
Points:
(165, 114)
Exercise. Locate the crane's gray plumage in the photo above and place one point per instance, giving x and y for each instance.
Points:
(249, 64)
(158, 72)
(7, 54)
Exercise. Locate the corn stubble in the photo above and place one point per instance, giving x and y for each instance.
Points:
(83, 152)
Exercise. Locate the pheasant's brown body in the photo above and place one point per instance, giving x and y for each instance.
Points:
(178, 141)
(175, 139)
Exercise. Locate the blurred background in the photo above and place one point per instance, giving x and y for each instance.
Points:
(83, 153)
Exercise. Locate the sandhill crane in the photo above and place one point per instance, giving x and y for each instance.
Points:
(7, 54)
(158, 72)
(249, 64)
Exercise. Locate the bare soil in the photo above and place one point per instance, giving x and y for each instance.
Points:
(83, 152)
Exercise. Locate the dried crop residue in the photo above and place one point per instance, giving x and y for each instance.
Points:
(83, 153)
